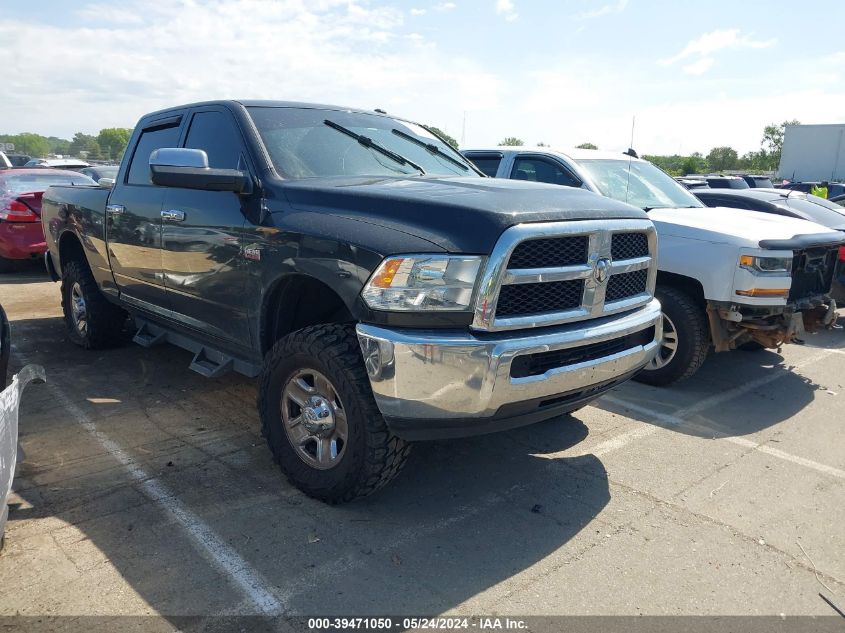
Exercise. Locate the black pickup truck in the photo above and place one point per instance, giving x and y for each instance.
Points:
(382, 288)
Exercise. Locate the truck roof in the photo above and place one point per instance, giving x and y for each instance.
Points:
(261, 103)
(574, 153)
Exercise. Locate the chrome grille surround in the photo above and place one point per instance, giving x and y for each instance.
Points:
(600, 234)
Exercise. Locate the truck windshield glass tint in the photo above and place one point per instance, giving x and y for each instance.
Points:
(301, 145)
(647, 187)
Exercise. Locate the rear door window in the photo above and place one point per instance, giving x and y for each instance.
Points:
(151, 140)
(543, 170)
(487, 163)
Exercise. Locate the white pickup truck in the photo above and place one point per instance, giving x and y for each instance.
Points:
(727, 278)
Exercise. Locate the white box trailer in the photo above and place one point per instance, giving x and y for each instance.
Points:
(813, 152)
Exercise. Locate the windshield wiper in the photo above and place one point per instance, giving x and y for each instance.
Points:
(366, 141)
(430, 147)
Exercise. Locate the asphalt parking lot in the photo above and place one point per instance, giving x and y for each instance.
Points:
(148, 489)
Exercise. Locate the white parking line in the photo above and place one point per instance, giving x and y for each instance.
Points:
(675, 421)
(227, 561)
(678, 417)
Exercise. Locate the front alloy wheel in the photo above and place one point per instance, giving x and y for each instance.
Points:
(685, 341)
(320, 418)
(314, 419)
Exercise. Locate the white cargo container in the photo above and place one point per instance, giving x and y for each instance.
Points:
(813, 152)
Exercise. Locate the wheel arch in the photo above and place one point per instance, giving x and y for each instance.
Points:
(688, 285)
(297, 301)
(70, 249)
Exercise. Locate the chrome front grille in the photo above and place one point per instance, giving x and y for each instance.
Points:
(559, 272)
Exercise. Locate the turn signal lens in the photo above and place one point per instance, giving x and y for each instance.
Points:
(386, 272)
(842, 253)
(764, 292)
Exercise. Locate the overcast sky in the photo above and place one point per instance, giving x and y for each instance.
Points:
(695, 74)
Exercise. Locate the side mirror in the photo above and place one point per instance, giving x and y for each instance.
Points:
(106, 183)
(188, 169)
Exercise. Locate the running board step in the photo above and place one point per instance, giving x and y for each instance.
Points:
(147, 337)
(211, 363)
(208, 361)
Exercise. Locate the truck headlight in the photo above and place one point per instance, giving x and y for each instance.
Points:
(414, 283)
(766, 265)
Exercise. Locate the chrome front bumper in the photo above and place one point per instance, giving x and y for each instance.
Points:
(456, 375)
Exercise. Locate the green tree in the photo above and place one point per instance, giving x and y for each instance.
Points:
(58, 145)
(434, 130)
(772, 142)
(721, 158)
(511, 141)
(113, 141)
(586, 146)
(84, 145)
(695, 163)
(28, 143)
(672, 165)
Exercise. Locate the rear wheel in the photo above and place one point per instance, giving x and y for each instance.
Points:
(685, 342)
(320, 418)
(92, 322)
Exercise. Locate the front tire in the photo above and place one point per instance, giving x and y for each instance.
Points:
(686, 340)
(92, 322)
(320, 419)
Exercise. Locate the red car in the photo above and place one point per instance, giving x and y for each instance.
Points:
(21, 235)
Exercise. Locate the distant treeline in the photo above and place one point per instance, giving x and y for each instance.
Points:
(109, 144)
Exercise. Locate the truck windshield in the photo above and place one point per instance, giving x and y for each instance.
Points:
(302, 145)
(639, 183)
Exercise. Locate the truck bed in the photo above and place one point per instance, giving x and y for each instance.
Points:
(82, 211)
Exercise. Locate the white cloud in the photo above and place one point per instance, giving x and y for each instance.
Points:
(108, 13)
(330, 51)
(418, 11)
(445, 6)
(716, 41)
(699, 67)
(605, 9)
(506, 9)
(364, 54)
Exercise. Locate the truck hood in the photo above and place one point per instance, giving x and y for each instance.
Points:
(730, 226)
(462, 215)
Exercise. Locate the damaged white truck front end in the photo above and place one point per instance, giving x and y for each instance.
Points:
(780, 272)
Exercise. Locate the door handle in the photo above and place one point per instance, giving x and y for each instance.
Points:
(174, 215)
(115, 209)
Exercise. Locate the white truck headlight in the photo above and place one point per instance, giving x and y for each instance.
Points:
(417, 283)
(766, 265)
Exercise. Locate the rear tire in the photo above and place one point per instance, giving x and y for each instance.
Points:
(7, 265)
(323, 366)
(685, 327)
(92, 321)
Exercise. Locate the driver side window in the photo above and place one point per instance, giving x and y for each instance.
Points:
(216, 134)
